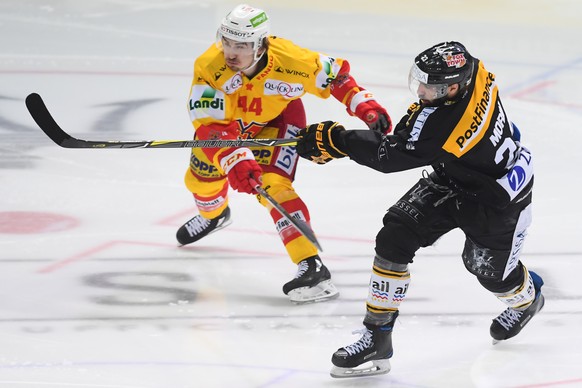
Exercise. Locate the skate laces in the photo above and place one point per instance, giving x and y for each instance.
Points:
(361, 344)
(197, 225)
(446, 190)
(508, 318)
(303, 266)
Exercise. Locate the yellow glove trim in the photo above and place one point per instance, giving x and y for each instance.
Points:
(329, 139)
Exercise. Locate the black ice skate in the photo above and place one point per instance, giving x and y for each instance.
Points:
(312, 283)
(199, 227)
(368, 356)
(510, 322)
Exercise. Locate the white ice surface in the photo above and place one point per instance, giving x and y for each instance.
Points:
(96, 293)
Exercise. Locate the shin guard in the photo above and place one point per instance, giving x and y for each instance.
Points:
(280, 188)
(520, 297)
(388, 285)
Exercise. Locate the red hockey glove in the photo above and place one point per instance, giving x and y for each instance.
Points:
(242, 170)
(360, 102)
(243, 176)
(373, 114)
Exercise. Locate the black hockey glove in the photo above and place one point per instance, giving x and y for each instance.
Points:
(315, 142)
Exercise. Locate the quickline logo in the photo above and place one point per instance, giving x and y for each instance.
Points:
(207, 100)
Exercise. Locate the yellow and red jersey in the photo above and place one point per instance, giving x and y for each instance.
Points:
(226, 104)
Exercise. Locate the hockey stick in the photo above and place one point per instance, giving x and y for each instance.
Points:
(299, 224)
(39, 112)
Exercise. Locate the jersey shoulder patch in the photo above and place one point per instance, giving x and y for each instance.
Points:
(206, 102)
(477, 117)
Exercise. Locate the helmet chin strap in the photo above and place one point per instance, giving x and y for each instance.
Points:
(257, 59)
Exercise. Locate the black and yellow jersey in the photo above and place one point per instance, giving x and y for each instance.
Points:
(470, 143)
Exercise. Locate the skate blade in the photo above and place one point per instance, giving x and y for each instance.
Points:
(319, 293)
(379, 367)
(222, 226)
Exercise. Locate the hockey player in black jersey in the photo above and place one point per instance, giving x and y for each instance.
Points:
(481, 182)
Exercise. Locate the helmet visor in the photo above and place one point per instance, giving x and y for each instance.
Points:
(420, 88)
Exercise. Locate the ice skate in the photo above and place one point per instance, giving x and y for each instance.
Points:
(368, 356)
(199, 227)
(510, 322)
(312, 283)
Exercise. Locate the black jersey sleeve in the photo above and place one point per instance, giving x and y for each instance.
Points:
(415, 142)
(382, 153)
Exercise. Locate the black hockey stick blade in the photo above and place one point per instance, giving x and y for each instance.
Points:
(299, 224)
(45, 121)
(43, 118)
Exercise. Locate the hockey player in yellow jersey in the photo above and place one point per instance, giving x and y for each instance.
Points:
(249, 85)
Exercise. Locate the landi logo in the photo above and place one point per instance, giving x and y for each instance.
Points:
(207, 100)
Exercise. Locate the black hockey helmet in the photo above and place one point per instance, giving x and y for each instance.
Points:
(440, 66)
